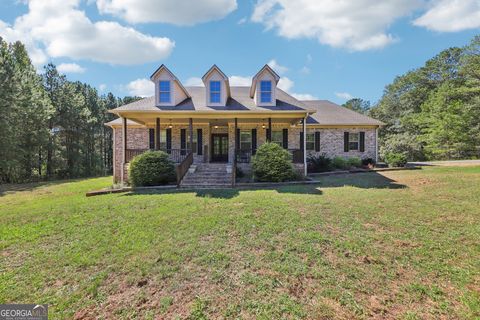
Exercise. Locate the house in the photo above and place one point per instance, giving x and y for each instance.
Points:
(217, 127)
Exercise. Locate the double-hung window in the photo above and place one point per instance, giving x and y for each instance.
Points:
(310, 141)
(164, 91)
(265, 91)
(245, 140)
(215, 88)
(353, 141)
(277, 137)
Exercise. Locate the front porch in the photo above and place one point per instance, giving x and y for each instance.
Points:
(194, 141)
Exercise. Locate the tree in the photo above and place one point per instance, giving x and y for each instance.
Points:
(358, 105)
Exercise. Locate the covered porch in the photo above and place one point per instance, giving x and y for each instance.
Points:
(209, 138)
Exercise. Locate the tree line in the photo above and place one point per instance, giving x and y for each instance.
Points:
(50, 127)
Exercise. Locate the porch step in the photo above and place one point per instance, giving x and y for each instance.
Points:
(208, 175)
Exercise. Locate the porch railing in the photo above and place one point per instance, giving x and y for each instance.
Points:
(176, 155)
(245, 156)
(182, 168)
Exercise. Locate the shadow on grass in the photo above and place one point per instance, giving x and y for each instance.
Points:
(370, 180)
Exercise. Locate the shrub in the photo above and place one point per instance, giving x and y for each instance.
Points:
(368, 162)
(405, 143)
(396, 159)
(319, 163)
(151, 168)
(339, 163)
(354, 162)
(272, 163)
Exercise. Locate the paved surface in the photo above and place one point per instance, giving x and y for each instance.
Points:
(459, 163)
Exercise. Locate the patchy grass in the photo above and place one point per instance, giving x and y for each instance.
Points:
(396, 245)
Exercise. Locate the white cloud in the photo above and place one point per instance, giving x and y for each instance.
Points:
(178, 12)
(285, 84)
(141, 87)
(70, 68)
(240, 81)
(304, 96)
(194, 82)
(57, 28)
(277, 67)
(451, 15)
(344, 95)
(355, 25)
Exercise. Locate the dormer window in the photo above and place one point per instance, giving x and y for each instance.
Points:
(265, 91)
(215, 91)
(164, 92)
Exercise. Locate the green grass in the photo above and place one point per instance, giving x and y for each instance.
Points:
(396, 245)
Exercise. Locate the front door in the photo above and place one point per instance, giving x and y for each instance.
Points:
(220, 147)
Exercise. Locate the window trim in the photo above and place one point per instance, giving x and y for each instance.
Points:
(219, 92)
(160, 91)
(312, 142)
(265, 91)
(357, 141)
(247, 133)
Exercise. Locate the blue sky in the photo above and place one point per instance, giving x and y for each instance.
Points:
(323, 49)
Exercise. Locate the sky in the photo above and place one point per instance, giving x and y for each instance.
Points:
(322, 49)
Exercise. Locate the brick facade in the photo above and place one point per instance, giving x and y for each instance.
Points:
(331, 141)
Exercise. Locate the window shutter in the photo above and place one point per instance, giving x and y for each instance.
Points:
(362, 141)
(254, 141)
(317, 141)
(345, 141)
(199, 142)
(169, 140)
(285, 138)
(301, 141)
(183, 141)
(269, 135)
(237, 139)
(151, 134)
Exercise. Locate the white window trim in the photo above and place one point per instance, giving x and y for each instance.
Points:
(357, 141)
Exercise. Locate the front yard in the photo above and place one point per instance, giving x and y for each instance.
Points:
(396, 245)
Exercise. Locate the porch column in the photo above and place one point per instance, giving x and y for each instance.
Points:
(190, 124)
(269, 135)
(124, 150)
(157, 134)
(305, 146)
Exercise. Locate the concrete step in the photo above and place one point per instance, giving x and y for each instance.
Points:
(208, 175)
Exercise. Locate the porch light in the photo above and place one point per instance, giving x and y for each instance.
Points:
(263, 126)
(170, 125)
(216, 127)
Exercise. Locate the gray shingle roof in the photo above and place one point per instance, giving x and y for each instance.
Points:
(329, 113)
(240, 101)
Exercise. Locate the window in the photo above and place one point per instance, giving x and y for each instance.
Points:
(310, 141)
(353, 141)
(245, 140)
(277, 137)
(265, 91)
(195, 139)
(164, 91)
(163, 139)
(215, 91)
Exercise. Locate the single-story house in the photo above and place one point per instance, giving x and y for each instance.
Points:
(218, 127)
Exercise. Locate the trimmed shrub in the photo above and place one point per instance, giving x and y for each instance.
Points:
(354, 162)
(368, 162)
(340, 163)
(318, 163)
(272, 163)
(151, 168)
(396, 159)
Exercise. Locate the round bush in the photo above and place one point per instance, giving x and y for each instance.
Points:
(395, 159)
(354, 162)
(151, 168)
(272, 163)
(339, 163)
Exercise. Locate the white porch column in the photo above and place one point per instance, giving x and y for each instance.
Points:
(305, 146)
(124, 149)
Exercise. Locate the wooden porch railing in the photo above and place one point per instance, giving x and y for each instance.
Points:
(176, 155)
(182, 168)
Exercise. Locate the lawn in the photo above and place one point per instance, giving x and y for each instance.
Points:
(396, 245)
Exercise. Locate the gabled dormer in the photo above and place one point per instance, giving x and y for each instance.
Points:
(264, 85)
(217, 87)
(169, 91)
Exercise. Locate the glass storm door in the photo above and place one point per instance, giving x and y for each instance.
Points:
(220, 147)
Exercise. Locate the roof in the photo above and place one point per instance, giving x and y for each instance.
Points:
(239, 100)
(254, 79)
(164, 67)
(329, 113)
(118, 122)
